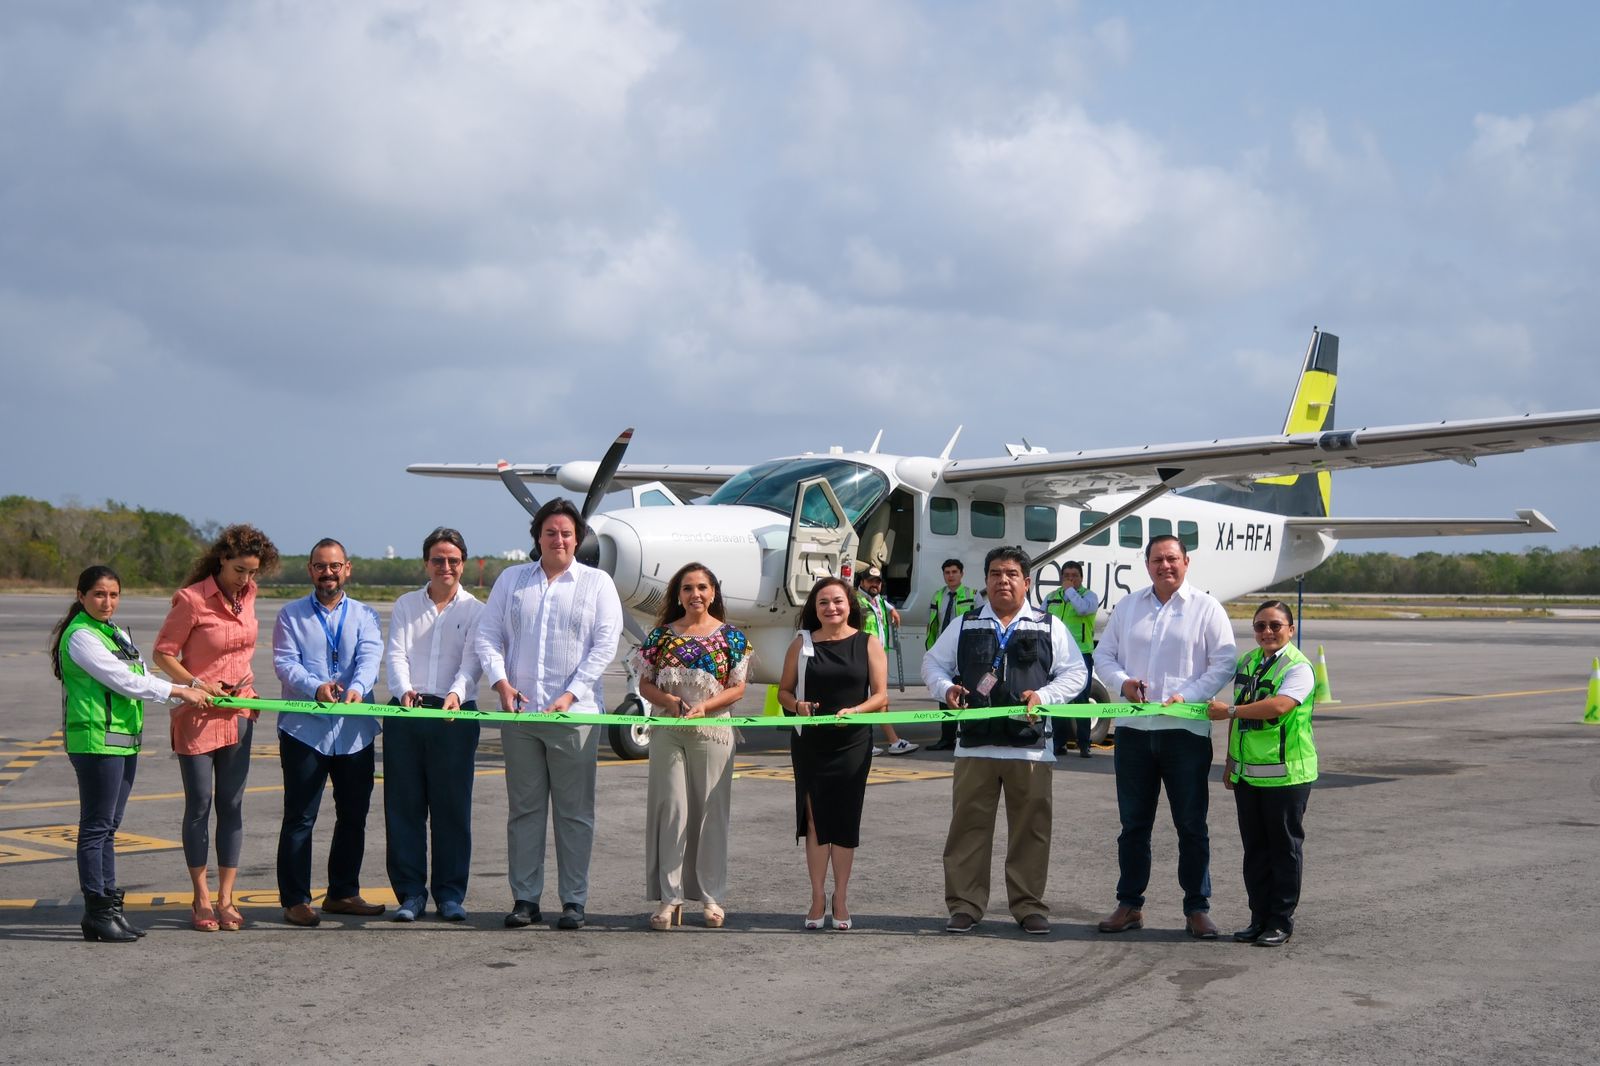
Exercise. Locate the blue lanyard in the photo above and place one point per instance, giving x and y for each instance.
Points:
(1006, 633)
(334, 634)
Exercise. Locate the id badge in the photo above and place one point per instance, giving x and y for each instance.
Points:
(987, 683)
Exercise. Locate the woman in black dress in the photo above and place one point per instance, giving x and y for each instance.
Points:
(831, 668)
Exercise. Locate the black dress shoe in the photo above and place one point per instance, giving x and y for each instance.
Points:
(1272, 938)
(523, 914)
(1249, 934)
(942, 745)
(571, 917)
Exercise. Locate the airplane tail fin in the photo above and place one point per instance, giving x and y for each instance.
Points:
(1311, 411)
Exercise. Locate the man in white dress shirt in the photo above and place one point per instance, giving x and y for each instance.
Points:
(1169, 643)
(428, 766)
(549, 631)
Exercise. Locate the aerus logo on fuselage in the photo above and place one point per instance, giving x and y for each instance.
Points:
(1250, 537)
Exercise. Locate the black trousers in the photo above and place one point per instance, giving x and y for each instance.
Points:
(305, 772)
(1272, 832)
(1079, 726)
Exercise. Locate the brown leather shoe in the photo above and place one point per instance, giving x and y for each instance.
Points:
(1201, 927)
(353, 905)
(302, 914)
(1122, 919)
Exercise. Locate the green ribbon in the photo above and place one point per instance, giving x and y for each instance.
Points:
(1196, 711)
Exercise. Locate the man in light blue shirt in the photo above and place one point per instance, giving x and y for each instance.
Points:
(326, 648)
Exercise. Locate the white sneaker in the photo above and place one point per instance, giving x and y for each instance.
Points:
(876, 752)
(901, 747)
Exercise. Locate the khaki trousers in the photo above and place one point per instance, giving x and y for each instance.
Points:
(969, 848)
(687, 811)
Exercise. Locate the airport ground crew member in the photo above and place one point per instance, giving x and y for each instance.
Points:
(103, 683)
(1272, 761)
(877, 615)
(1076, 606)
(949, 603)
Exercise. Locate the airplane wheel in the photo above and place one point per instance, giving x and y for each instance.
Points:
(631, 741)
(1099, 728)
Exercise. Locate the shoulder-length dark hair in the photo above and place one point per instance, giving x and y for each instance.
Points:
(808, 614)
(87, 580)
(234, 542)
(672, 610)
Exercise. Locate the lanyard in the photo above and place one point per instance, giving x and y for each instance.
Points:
(334, 634)
(1006, 633)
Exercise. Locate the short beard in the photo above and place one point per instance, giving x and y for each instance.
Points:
(329, 597)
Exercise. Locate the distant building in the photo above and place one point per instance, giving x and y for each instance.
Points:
(515, 555)
(389, 552)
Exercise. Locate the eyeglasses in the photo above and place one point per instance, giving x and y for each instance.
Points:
(1270, 627)
(441, 560)
(326, 568)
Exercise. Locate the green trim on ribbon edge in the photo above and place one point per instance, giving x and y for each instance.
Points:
(1195, 711)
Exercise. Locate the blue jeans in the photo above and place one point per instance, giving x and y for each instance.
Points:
(104, 782)
(305, 772)
(428, 775)
(1148, 760)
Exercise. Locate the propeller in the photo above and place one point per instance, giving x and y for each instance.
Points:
(589, 551)
(517, 487)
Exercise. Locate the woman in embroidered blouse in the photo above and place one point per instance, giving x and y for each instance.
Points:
(693, 665)
(206, 643)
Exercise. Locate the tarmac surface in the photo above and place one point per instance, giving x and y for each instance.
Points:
(1447, 915)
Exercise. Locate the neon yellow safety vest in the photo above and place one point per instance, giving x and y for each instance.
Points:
(1081, 626)
(964, 601)
(874, 620)
(96, 720)
(1278, 751)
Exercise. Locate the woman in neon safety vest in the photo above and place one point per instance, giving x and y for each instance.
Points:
(104, 684)
(1271, 764)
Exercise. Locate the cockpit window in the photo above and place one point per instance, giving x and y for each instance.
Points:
(771, 485)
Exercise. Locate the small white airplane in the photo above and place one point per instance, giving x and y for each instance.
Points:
(1252, 511)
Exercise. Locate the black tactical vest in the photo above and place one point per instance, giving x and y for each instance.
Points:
(1028, 661)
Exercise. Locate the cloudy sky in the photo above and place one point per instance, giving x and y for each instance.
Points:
(256, 257)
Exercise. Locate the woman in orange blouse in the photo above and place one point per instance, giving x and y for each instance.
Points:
(206, 643)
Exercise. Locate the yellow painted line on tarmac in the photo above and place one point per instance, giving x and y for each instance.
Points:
(65, 837)
(1459, 699)
(178, 900)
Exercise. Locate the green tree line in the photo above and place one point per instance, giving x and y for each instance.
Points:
(1535, 572)
(47, 545)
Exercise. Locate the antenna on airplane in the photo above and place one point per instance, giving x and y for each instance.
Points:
(948, 448)
(875, 442)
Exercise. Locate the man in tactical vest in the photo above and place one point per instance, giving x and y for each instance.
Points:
(1167, 643)
(949, 604)
(1076, 606)
(1007, 654)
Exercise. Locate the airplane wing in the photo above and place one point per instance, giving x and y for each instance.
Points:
(1527, 521)
(687, 480)
(1240, 461)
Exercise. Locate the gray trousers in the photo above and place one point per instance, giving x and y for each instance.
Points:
(686, 816)
(550, 770)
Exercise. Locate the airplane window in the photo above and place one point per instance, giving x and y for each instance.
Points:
(1039, 523)
(1130, 532)
(1088, 518)
(654, 498)
(988, 519)
(1160, 527)
(1189, 535)
(944, 516)
(816, 511)
(771, 485)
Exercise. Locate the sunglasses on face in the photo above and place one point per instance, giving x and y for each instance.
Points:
(1270, 627)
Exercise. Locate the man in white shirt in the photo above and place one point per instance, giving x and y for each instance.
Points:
(549, 631)
(1006, 654)
(428, 766)
(1169, 643)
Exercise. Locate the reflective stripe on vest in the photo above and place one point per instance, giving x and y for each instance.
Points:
(122, 740)
(1258, 769)
(1080, 625)
(963, 604)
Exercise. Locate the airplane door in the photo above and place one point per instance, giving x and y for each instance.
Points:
(820, 538)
